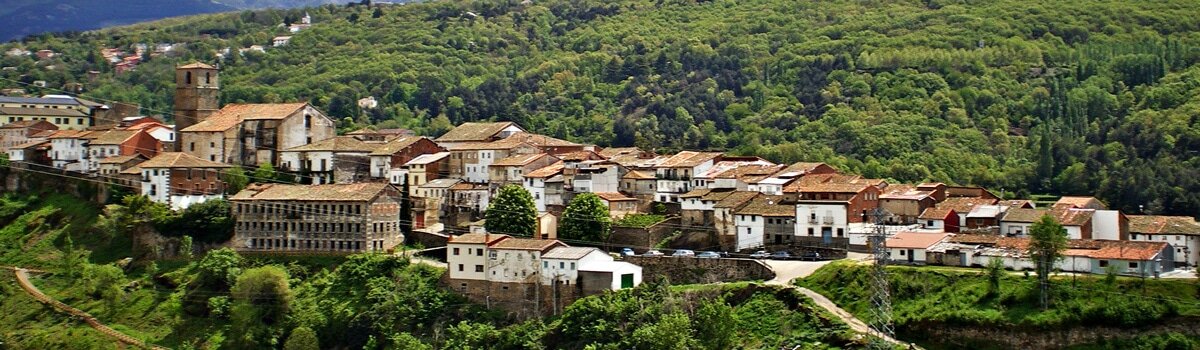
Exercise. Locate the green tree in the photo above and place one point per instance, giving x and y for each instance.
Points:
(586, 218)
(264, 173)
(106, 282)
(711, 323)
(261, 301)
(235, 180)
(185, 247)
(1047, 241)
(995, 272)
(215, 273)
(302, 338)
(406, 341)
(468, 335)
(511, 212)
(671, 332)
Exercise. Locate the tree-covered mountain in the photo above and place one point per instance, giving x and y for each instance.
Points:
(29, 17)
(1076, 97)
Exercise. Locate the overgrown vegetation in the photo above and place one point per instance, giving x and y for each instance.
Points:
(639, 220)
(1075, 97)
(923, 296)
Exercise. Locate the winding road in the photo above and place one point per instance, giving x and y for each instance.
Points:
(23, 280)
(787, 271)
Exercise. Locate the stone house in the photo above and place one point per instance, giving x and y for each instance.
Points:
(388, 158)
(252, 134)
(337, 218)
(340, 159)
(17, 133)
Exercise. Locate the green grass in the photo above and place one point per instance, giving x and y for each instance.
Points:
(639, 220)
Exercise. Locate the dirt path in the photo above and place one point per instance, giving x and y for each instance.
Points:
(23, 280)
(787, 271)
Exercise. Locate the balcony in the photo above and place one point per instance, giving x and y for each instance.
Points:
(812, 220)
(828, 220)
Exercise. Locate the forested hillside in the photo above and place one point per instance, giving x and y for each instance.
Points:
(1076, 97)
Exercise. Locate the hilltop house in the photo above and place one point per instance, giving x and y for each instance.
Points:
(340, 159)
(252, 134)
(180, 179)
(764, 219)
(675, 174)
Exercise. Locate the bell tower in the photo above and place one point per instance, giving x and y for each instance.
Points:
(197, 95)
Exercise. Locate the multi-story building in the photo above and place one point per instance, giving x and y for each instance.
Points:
(764, 220)
(180, 180)
(111, 167)
(16, 133)
(340, 218)
(825, 222)
(512, 170)
(197, 96)
(426, 168)
(389, 158)
(904, 203)
(68, 149)
(1181, 232)
(618, 203)
(536, 182)
(596, 176)
(252, 134)
(111, 143)
(675, 173)
(340, 159)
(65, 112)
(724, 218)
(472, 161)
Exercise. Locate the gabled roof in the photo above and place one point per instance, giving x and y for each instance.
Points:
(1073, 217)
(395, 145)
(526, 244)
(696, 193)
(113, 137)
(742, 171)
(568, 253)
(1128, 250)
(1160, 224)
(474, 132)
(687, 159)
(616, 151)
(440, 183)
(767, 205)
(915, 240)
(428, 158)
(937, 213)
(540, 140)
(1024, 215)
(122, 159)
(196, 65)
(638, 175)
(905, 192)
(1081, 202)
(179, 160)
(478, 238)
(965, 204)
(519, 160)
(363, 191)
(987, 211)
(32, 144)
(70, 134)
(42, 112)
(580, 156)
(546, 171)
(233, 114)
(21, 124)
(830, 183)
(804, 167)
(736, 199)
(614, 197)
(338, 144)
(133, 170)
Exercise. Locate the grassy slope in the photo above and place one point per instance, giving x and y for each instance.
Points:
(961, 297)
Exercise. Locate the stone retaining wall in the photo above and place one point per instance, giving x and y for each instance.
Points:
(696, 270)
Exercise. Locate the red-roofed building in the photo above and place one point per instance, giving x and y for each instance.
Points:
(939, 218)
(252, 134)
(911, 247)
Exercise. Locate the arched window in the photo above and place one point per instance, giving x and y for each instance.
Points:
(187, 77)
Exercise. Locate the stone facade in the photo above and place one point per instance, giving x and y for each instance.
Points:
(350, 218)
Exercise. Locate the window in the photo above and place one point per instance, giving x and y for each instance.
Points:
(460, 267)
(456, 253)
(545, 264)
(902, 252)
(192, 146)
(561, 265)
(187, 78)
(492, 255)
(479, 252)
(930, 223)
(1133, 265)
(810, 231)
(1103, 263)
(479, 268)
(572, 266)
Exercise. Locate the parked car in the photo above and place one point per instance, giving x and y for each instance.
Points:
(781, 255)
(814, 256)
(653, 253)
(683, 253)
(627, 252)
(709, 255)
(762, 254)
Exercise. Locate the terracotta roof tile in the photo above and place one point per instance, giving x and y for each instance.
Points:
(687, 159)
(493, 145)
(1073, 217)
(915, 240)
(121, 159)
(113, 137)
(568, 253)
(1024, 215)
(765, 205)
(526, 244)
(904, 192)
(338, 144)
(1159, 224)
(965, 204)
(1129, 250)
(195, 65)
(580, 156)
(540, 140)
(478, 238)
(638, 175)
(363, 191)
(616, 151)
(519, 160)
(936, 213)
(474, 132)
(396, 145)
(736, 199)
(804, 167)
(830, 183)
(233, 114)
(21, 124)
(1081, 202)
(696, 193)
(749, 170)
(614, 196)
(32, 144)
(546, 171)
(179, 160)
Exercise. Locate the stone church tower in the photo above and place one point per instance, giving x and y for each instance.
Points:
(197, 95)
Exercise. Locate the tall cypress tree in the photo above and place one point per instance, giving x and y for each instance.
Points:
(406, 215)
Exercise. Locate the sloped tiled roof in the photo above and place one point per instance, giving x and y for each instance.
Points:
(1024, 215)
(638, 175)
(526, 244)
(830, 183)
(363, 191)
(614, 196)
(338, 144)
(696, 193)
(987, 211)
(440, 183)
(1128, 250)
(42, 112)
(685, 159)
(904, 192)
(121, 159)
(546, 171)
(133, 170)
(395, 145)
(493, 145)
(519, 160)
(474, 132)
(21, 124)
(1074, 217)
(233, 114)
(803, 167)
(965, 204)
(766, 205)
(540, 140)
(915, 240)
(580, 156)
(1160, 224)
(70, 134)
(568, 253)
(1081, 202)
(195, 65)
(616, 151)
(936, 213)
(736, 199)
(749, 170)
(32, 144)
(477, 238)
(113, 137)
(179, 160)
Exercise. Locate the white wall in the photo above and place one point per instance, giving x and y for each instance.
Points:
(750, 227)
(537, 189)
(1073, 232)
(617, 268)
(469, 255)
(380, 166)
(823, 211)
(511, 265)
(1019, 229)
(934, 224)
(160, 181)
(901, 254)
(567, 270)
(1106, 224)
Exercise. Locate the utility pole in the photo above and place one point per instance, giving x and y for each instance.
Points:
(881, 300)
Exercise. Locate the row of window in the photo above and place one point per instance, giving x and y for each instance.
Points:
(308, 244)
(298, 209)
(322, 227)
(57, 121)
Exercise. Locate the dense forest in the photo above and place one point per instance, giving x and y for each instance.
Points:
(1081, 97)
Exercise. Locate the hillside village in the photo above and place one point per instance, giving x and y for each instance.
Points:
(346, 191)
